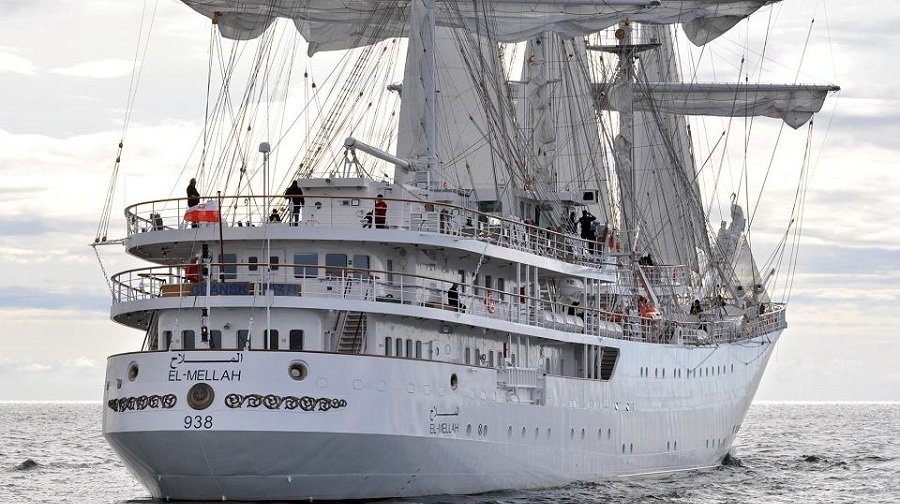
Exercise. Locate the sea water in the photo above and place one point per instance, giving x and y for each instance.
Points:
(785, 453)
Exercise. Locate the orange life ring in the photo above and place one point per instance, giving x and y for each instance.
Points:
(490, 303)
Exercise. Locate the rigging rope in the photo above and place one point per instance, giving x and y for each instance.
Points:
(140, 52)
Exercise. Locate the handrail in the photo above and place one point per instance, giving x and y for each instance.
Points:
(406, 214)
(430, 292)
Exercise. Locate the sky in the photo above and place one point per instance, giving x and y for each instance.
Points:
(65, 81)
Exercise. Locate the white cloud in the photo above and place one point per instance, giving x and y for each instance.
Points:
(11, 62)
(102, 69)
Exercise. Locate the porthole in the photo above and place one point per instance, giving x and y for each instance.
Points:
(200, 396)
(297, 370)
(133, 371)
(454, 381)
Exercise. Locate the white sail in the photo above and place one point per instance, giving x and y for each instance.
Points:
(671, 220)
(794, 104)
(560, 121)
(331, 25)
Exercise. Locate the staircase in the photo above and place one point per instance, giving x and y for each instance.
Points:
(353, 332)
(608, 358)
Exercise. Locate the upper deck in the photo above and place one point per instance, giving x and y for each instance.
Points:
(157, 229)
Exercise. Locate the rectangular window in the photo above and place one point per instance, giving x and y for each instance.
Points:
(361, 262)
(295, 339)
(307, 265)
(229, 268)
(254, 261)
(398, 349)
(477, 357)
(271, 339)
(273, 263)
(187, 339)
(167, 337)
(488, 282)
(409, 349)
(390, 271)
(501, 286)
(387, 346)
(491, 358)
(461, 280)
(418, 349)
(215, 339)
(468, 355)
(474, 285)
(335, 264)
(243, 339)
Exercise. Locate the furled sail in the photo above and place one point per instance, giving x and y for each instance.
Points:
(343, 24)
(795, 104)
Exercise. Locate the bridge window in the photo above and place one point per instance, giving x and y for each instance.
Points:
(271, 338)
(307, 265)
(229, 268)
(361, 262)
(243, 339)
(295, 339)
(335, 264)
(188, 339)
(215, 338)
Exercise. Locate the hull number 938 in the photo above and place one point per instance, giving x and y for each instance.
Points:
(198, 422)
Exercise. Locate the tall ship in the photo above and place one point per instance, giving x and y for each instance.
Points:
(497, 269)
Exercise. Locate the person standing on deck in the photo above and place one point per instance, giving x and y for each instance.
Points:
(193, 195)
(380, 212)
(587, 228)
(295, 194)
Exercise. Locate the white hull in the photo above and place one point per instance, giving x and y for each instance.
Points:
(398, 428)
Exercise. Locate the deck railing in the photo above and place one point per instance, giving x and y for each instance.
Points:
(379, 286)
(351, 212)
